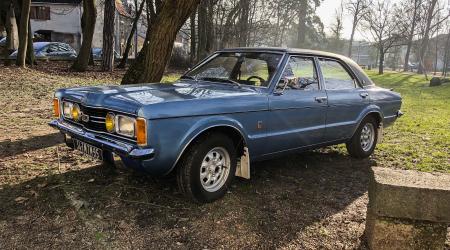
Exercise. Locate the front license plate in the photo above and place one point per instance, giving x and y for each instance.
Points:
(88, 149)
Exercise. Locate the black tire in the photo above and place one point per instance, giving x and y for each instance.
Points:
(189, 167)
(355, 147)
(108, 159)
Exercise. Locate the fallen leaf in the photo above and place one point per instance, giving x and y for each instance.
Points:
(20, 199)
(42, 185)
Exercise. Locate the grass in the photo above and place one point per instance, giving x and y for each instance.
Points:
(421, 138)
(73, 202)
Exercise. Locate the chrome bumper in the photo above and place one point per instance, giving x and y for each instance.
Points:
(118, 147)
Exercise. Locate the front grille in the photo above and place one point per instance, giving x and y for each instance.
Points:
(96, 122)
(96, 118)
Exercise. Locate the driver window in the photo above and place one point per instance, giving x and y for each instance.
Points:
(254, 71)
(301, 69)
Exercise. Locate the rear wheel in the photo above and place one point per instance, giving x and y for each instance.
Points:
(207, 168)
(364, 141)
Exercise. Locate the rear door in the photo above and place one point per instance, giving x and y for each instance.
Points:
(346, 99)
(297, 115)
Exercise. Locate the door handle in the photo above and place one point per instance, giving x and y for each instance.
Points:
(364, 95)
(321, 99)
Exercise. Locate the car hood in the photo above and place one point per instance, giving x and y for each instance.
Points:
(161, 100)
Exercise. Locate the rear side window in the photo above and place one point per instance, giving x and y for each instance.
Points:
(335, 75)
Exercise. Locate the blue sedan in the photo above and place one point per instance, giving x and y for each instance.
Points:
(235, 107)
(51, 50)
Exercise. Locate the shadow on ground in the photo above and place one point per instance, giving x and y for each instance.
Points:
(288, 202)
(12, 148)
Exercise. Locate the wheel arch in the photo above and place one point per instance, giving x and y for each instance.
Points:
(370, 111)
(227, 127)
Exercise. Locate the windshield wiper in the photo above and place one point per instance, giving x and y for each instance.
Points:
(214, 79)
(187, 77)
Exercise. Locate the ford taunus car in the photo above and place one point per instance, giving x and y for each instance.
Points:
(235, 107)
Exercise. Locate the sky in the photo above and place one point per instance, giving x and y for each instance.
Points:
(327, 11)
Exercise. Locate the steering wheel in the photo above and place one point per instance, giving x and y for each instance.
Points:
(257, 77)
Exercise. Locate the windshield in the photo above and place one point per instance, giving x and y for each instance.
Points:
(240, 68)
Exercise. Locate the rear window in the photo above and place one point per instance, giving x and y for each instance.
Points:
(359, 72)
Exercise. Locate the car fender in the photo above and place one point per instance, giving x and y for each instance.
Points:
(370, 109)
(205, 124)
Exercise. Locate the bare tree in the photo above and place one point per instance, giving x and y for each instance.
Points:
(336, 30)
(243, 23)
(432, 20)
(408, 14)
(426, 36)
(381, 24)
(358, 9)
(446, 53)
(87, 25)
(166, 19)
(138, 13)
(108, 36)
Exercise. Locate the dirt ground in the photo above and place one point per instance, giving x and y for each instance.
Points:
(52, 197)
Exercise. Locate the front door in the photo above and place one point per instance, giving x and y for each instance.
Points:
(297, 115)
(346, 99)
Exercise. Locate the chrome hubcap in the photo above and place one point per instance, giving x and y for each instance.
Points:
(215, 169)
(367, 136)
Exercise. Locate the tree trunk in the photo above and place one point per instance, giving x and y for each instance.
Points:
(193, 40)
(227, 34)
(87, 26)
(108, 36)
(426, 37)
(352, 36)
(301, 31)
(210, 37)
(202, 29)
(30, 59)
(11, 34)
(23, 33)
(446, 55)
(411, 36)
(151, 62)
(381, 63)
(124, 60)
(243, 22)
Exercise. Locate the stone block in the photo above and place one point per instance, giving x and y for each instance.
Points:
(388, 233)
(414, 195)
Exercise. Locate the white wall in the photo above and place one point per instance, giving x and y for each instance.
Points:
(64, 18)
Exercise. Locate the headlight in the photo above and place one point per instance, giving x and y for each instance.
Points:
(67, 109)
(76, 113)
(125, 125)
(110, 122)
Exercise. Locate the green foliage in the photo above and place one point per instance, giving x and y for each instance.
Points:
(421, 138)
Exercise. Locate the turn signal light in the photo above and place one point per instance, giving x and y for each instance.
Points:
(141, 131)
(56, 107)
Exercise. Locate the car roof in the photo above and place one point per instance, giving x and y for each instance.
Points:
(284, 50)
(39, 45)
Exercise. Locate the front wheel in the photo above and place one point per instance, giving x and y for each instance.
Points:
(363, 142)
(207, 168)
